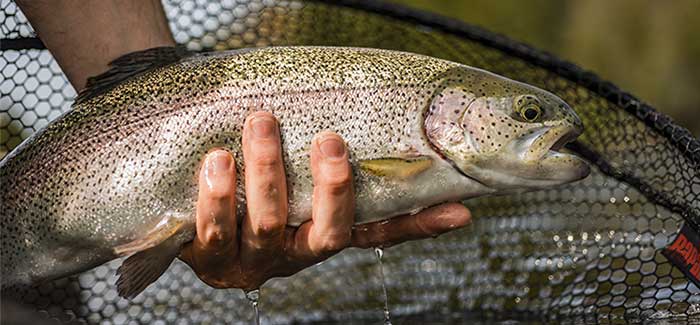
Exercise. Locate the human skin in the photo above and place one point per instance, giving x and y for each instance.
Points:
(84, 36)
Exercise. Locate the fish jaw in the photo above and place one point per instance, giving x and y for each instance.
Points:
(534, 162)
(484, 135)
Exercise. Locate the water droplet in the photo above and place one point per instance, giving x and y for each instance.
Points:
(379, 253)
(428, 265)
(254, 297)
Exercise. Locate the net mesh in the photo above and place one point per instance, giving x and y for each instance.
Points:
(589, 251)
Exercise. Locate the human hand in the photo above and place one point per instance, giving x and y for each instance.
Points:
(267, 247)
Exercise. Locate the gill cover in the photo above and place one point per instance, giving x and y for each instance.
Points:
(502, 133)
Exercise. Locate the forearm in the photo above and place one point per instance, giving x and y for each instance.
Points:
(84, 36)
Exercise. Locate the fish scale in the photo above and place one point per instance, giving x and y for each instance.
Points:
(125, 158)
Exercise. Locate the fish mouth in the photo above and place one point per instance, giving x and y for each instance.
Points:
(534, 161)
(549, 142)
(569, 134)
(545, 142)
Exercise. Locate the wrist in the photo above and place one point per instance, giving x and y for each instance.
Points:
(85, 36)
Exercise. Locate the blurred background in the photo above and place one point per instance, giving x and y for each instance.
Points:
(648, 48)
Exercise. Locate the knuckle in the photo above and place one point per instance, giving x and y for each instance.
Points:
(217, 238)
(217, 280)
(424, 225)
(268, 189)
(339, 178)
(267, 162)
(332, 244)
(269, 226)
(221, 193)
(214, 281)
(335, 190)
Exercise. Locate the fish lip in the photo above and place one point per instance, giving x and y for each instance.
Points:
(549, 144)
(569, 134)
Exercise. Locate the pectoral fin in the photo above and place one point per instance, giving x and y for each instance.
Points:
(152, 254)
(165, 229)
(396, 167)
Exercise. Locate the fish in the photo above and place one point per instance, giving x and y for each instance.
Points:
(116, 176)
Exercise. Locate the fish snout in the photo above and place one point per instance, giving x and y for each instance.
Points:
(538, 144)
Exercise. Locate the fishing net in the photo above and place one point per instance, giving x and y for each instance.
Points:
(592, 251)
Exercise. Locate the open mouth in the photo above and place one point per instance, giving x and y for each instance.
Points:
(545, 142)
(569, 134)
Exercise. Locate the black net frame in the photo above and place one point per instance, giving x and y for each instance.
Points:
(674, 192)
(681, 137)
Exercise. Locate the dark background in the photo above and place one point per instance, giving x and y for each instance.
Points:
(649, 48)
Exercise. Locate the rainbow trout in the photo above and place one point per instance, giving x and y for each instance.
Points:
(116, 175)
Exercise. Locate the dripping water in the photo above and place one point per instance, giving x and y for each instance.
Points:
(254, 297)
(380, 253)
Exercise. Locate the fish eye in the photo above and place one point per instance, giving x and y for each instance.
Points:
(531, 112)
(528, 107)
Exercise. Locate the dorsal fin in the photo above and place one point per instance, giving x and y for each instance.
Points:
(131, 65)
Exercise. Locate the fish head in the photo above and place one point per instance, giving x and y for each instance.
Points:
(502, 133)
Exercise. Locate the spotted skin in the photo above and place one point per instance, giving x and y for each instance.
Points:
(108, 171)
(477, 120)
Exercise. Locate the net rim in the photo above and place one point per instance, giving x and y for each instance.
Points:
(679, 136)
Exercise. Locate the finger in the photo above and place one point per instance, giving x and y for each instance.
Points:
(266, 189)
(333, 197)
(330, 228)
(428, 223)
(214, 246)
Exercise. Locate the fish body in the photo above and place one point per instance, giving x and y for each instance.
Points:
(116, 175)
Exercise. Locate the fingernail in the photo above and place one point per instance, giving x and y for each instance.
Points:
(331, 147)
(218, 163)
(263, 126)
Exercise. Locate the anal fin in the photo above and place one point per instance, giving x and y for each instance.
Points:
(143, 268)
(151, 254)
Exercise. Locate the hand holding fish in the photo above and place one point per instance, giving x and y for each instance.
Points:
(268, 248)
(116, 176)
